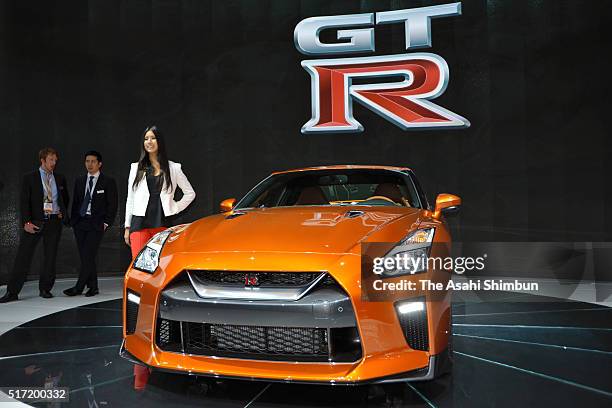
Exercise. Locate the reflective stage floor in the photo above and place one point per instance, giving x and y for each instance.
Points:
(536, 352)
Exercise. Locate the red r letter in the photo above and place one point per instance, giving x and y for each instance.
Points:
(405, 103)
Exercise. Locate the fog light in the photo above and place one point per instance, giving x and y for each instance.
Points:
(412, 316)
(132, 305)
(410, 307)
(134, 298)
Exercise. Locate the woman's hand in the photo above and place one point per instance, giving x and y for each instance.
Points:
(126, 236)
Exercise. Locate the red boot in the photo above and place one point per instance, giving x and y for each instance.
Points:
(141, 377)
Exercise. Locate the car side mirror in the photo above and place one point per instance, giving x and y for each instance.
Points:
(227, 205)
(447, 204)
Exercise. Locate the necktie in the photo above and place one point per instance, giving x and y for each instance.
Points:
(48, 187)
(87, 199)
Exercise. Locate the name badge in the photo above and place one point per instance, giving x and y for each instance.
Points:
(100, 191)
(48, 207)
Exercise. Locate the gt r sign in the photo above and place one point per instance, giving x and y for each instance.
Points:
(405, 103)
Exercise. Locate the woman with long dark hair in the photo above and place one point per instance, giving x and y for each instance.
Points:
(150, 199)
(151, 186)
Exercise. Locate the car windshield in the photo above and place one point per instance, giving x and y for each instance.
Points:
(367, 187)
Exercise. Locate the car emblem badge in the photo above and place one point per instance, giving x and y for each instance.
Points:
(251, 279)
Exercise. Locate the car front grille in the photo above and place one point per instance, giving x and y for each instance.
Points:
(258, 342)
(178, 328)
(266, 279)
(295, 342)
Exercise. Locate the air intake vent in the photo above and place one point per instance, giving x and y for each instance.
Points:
(271, 343)
(168, 337)
(131, 313)
(414, 326)
(257, 342)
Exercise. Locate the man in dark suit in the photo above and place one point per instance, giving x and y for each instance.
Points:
(43, 203)
(93, 211)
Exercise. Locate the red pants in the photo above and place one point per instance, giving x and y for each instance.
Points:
(138, 240)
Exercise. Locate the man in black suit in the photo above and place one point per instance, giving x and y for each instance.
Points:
(43, 203)
(93, 211)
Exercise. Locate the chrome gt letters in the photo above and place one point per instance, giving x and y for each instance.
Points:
(307, 32)
(418, 22)
(404, 103)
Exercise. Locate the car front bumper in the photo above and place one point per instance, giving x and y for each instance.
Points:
(385, 355)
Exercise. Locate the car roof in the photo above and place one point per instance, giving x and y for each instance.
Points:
(344, 167)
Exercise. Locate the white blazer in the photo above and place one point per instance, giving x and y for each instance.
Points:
(138, 199)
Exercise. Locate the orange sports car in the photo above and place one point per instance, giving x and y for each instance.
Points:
(272, 288)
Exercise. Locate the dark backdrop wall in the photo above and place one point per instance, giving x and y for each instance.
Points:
(223, 80)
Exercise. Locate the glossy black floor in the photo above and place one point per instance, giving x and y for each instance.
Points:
(511, 350)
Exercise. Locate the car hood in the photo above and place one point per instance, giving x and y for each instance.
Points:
(317, 229)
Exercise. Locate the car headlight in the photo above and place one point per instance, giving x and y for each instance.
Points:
(148, 258)
(412, 253)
